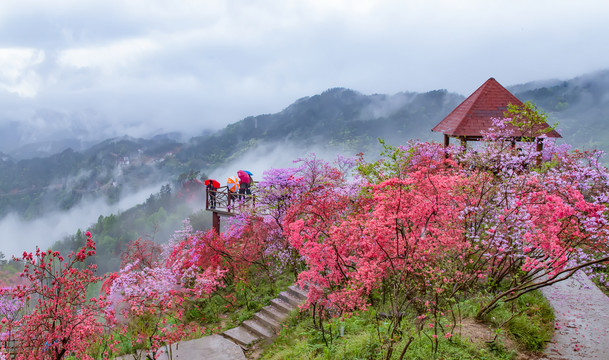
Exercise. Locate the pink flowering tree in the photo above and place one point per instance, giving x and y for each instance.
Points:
(277, 195)
(50, 316)
(390, 238)
(145, 301)
(146, 253)
(149, 295)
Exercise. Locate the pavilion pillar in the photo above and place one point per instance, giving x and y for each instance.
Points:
(216, 222)
(446, 140)
(539, 149)
(463, 143)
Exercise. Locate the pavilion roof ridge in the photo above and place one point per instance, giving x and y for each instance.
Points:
(473, 116)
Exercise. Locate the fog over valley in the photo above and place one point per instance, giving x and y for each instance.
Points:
(18, 235)
(110, 68)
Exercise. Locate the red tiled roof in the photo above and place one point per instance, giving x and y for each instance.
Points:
(474, 114)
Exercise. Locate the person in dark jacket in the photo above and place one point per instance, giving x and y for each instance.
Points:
(212, 194)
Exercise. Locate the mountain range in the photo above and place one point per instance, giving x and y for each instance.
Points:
(63, 172)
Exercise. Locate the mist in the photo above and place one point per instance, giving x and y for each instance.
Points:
(273, 155)
(17, 235)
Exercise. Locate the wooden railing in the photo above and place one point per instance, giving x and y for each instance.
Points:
(226, 202)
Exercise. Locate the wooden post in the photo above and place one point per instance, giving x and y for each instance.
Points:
(446, 140)
(216, 222)
(463, 143)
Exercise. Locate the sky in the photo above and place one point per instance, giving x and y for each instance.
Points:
(143, 67)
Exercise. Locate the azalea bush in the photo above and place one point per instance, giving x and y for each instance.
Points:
(148, 298)
(49, 315)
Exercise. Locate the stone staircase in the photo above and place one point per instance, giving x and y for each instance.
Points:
(262, 327)
(265, 324)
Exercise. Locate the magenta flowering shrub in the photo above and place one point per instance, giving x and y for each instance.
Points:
(263, 225)
(55, 317)
(148, 296)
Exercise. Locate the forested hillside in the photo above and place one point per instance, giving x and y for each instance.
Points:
(336, 120)
(155, 220)
(32, 187)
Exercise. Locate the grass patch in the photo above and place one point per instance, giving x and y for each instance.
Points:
(357, 338)
(525, 324)
(529, 320)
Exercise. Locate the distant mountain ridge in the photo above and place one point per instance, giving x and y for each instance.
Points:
(339, 120)
(580, 106)
(32, 187)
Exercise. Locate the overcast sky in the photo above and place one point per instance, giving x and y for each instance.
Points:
(145, 66)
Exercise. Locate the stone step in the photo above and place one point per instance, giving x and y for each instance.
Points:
(297, 292)
(274, 313)
(282, 305)
(258, 329)
(241, 336)
(290, 299)
(213, 347)
(267, 321)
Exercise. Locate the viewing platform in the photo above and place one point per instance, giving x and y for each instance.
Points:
(223, 202)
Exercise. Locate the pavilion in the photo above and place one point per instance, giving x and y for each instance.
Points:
(473, 116)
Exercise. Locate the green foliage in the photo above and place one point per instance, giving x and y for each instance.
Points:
(393, 163)
(530, 320)
(531, 120)
(359, 336)
(200, 220)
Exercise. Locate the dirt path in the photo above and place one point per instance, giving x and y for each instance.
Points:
(582, 320)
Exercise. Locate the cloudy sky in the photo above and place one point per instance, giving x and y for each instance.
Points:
(147, 66)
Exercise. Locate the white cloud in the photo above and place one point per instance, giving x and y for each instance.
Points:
(118, 54)
(17, 70)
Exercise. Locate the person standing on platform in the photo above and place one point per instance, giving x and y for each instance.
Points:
(244, 183)
(211, 189)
